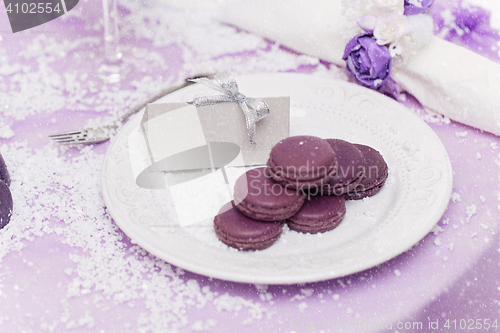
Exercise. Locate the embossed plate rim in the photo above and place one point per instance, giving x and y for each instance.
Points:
(210, 267)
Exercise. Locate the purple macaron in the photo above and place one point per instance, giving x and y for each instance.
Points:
(374, 175)
(350, 169)
(318, 214)
(241, 232)
(302, 162)
(5, 204)
(259, 197)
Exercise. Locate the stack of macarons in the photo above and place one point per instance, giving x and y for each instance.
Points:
(305, 184)
(5, 195)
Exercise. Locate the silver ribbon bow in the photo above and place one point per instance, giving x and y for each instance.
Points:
(254, 109)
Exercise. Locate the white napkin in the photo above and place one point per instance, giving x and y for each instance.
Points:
(444, 77)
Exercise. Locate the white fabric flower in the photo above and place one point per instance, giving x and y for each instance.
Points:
(389, 28)
(367, 22)
(395, 50)
(420, 30)
(352, 9)
(382, 7)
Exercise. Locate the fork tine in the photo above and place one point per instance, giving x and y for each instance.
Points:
(98, 140)
(67, 141)
(72, 138)
(66, 133)
(63, 138)
(77, 139)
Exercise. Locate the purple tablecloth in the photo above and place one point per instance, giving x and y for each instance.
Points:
(66, 266)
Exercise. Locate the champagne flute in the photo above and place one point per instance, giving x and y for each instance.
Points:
(112, 69)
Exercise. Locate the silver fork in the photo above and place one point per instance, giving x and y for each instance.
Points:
(103, 133)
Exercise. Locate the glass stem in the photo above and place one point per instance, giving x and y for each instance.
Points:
(111, 36)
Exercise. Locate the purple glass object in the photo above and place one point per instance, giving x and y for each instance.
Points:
(368, 62)
(5, 204)
(415, 7)
(4, 173)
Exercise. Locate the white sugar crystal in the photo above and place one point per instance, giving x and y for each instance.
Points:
(199, 325)
(482, 198)
(349, 310)
(446, 221)
(437, 242)
(451, 246)
(484, 226)
(493, 145)
(474, 234)
(436, 230)
(455, 197)
(455, 226)
(461, 134)
(470, 211)
(302, 306)
(478, 156)
(297, 298)
(261, 288)
(397, 272)
(230, 303)
(6, 132)
(336, 297)
(432, 117)
(445, 258)
(307, 292)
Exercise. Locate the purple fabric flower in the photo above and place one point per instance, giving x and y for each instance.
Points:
(368, 62)
(415, 7)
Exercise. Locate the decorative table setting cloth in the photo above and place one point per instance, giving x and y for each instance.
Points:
(65, 266)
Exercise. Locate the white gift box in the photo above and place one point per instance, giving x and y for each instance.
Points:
(186, 150)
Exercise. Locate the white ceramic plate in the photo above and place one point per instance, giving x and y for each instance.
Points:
(373, 231)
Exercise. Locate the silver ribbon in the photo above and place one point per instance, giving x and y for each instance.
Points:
(254, 109)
